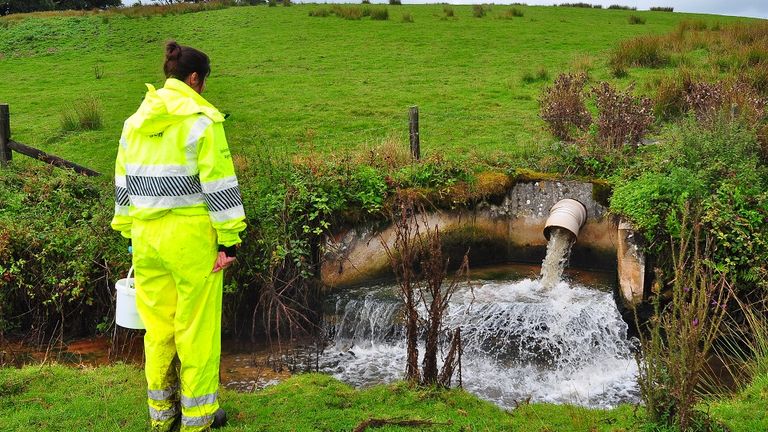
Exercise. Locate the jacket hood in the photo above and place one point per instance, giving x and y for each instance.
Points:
(171, 104)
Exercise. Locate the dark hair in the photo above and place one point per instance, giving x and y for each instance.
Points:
(182, 61)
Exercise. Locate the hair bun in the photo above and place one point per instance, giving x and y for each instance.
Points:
(172, 51)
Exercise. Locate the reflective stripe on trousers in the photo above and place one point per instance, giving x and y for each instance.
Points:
(179, 301)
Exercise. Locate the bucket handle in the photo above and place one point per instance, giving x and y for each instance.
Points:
(130, 272)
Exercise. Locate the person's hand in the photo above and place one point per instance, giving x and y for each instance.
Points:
(223, 261)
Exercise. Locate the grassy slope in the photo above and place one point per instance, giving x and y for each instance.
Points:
(285, 76)
(60, 398)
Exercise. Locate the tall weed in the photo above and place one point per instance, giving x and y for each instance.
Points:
(726, 99)
(83, 115)
(623, 118)
(512, 13)
(679, 338)
(563, 107)
(671, 93)
(645, 51)
(379, 14)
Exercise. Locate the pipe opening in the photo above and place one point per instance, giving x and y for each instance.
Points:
(568, 214)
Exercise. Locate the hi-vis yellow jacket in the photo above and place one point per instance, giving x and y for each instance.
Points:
(173, 157)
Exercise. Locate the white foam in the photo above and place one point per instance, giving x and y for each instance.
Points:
(567, 344)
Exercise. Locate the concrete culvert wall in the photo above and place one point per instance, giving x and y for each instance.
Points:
(510, 231)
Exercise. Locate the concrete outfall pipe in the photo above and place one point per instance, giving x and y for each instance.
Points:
(568, 214)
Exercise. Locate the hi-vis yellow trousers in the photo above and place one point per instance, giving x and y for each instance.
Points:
(179, 301)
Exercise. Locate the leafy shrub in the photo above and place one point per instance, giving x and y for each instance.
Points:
(563, 107)
(379, 14)
(622, 118)
(272, 3)
(478, 11)
(365, 2)
(662, 8)
(58, 255)
(634, 19)
(83, 115)
(718, 170)
(644, 51)
(407, 18)
(621, 7)
(512, 13)
(287, 3)
(395, 2)
(448, 11)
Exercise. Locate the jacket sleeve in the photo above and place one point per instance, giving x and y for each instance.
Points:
(121, 220)
(221, 190)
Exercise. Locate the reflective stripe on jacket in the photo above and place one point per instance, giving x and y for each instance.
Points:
(173, 156)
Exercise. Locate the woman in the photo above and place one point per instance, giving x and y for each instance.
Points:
(178, 201)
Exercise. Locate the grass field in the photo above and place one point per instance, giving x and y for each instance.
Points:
(291, 81)
(61, 398)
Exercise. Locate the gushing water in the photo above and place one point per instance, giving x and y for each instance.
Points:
(544, 340)
(558, 252)
(567, 344)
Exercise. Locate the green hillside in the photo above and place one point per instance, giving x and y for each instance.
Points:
(292, 81)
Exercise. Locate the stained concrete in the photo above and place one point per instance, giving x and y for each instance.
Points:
(508, 232)
(631, 264)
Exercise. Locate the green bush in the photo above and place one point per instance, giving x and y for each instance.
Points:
(58, 255)
(634, 19)
(407, 18)
(717, 169)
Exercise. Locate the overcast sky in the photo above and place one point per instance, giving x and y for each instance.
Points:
(747, 8)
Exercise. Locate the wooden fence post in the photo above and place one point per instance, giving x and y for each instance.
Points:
(5, 135)
(413, 123)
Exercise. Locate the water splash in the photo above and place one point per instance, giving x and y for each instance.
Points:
(568, 344)
(558, 251)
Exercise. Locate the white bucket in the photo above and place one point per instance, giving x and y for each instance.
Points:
(126, 314)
